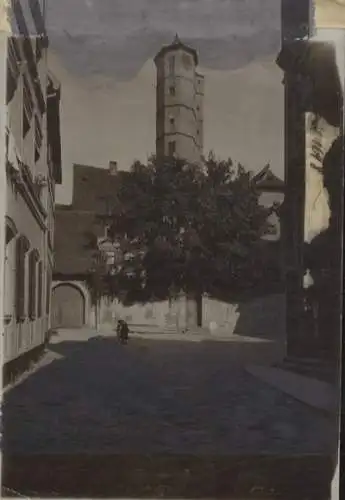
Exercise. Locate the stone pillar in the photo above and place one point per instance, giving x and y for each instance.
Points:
(297, 24)
(297, 19)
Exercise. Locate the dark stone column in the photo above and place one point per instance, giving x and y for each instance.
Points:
(297, 19)
(297, 23)
(294, 216)
(311, 85)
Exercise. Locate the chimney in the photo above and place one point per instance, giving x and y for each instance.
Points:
(113, 167)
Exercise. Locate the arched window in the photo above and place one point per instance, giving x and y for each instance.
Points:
(10, 269)
(11, 230)
(22, 247)
(32, 305)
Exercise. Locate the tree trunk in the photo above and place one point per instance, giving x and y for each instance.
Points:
(193, 310)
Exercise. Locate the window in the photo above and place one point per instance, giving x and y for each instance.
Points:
(40, 289)
(10, 276)
(38, 138)
(39, 48)
(172, 65)
(21, 251)
(13, 72)
(49, 284)
(13, 57)
(172, 90)
(27, 106)
(172, 148)
(33, 259)
(172, 124)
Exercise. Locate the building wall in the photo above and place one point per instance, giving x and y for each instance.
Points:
(3, 180)
(184, 106)
(29, 209)
(267, 198)
(138, 315)
(249, 318)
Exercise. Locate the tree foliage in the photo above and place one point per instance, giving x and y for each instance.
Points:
(183, 227)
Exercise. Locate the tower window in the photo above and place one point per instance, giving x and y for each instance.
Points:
(172, 90)
(172, 65)
(172, 148)
(172, 124)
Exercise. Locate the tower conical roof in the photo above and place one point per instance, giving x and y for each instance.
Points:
(175, 45)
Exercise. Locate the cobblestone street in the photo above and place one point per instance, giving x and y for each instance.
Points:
(155, 396)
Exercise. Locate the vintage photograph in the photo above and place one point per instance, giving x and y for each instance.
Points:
(171, 229)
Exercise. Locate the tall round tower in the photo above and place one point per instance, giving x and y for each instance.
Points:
(179, 108)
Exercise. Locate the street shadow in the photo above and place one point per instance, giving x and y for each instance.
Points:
(144, 403)
(262, 317)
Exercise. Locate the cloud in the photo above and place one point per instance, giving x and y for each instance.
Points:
(116, 37)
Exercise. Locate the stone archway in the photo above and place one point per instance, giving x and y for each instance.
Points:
(68, 306)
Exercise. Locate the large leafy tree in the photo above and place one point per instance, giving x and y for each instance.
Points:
(185, 228)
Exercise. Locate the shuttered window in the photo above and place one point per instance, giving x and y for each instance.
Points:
(33, 259)
(28, 106)
(172, 148)
(21, 250)
(49, 283)
(39, 48)
(38, 138)
(13, 59)
(40, 289)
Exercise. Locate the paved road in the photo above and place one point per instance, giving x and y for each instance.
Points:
(92, 395)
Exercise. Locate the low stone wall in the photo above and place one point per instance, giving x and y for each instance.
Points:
(160, 314)
(261, 317)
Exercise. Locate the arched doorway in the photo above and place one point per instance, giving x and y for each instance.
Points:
(68, 307)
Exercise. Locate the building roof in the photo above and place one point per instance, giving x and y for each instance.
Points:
(92, 186)
(176, 45)
(73, 252)
(267, 180)
(75, 223)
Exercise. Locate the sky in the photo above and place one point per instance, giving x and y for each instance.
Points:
(102, 51)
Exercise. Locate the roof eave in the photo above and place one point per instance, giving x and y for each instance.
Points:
(177, 46)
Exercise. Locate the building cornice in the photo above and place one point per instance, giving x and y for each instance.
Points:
(25, 185)
(170, 134)
(171, 79)
(180, 105)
